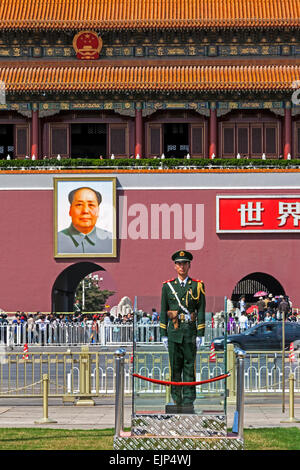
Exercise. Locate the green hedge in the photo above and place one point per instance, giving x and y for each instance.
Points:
(149, 163)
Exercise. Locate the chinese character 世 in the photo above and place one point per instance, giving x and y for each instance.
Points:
(251, 213)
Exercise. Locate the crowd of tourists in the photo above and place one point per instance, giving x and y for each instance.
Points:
(40, 327)
(77, 317)
(78, 327)
(267, 309)
(38, 318)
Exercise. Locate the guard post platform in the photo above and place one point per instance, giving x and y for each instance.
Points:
(157, 424)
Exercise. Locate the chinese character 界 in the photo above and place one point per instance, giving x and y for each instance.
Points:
(287, 209)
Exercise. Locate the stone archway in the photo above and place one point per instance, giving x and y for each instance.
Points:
(64, 287)
(255, 282)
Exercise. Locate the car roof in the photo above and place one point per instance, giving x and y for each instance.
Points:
(267, 322)
(276, 323)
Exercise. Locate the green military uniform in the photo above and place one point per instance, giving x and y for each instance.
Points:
(182, 337)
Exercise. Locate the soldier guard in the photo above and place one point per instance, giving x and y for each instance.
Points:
(182, 327)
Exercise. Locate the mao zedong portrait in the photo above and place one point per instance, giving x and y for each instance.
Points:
(82, 236)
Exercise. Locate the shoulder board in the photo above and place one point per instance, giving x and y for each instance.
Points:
(170, 280)
(196, 280)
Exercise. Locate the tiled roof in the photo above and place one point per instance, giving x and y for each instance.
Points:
(180, 78)
(145, 14)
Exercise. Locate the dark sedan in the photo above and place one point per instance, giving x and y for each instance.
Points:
(263, 336)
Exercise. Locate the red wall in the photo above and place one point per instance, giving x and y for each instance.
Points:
(28, 268)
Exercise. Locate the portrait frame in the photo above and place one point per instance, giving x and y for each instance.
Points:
(106, 222)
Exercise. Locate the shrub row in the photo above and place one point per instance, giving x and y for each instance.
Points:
(149, 163)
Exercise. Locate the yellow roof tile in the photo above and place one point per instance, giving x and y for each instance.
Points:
(147, 14)
(177, 78)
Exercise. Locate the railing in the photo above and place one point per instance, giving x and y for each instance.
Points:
(92, 373)
(73, 334)
(263, 372)
(69, 372)
(103, 334)
(78, 334)
(21, 374)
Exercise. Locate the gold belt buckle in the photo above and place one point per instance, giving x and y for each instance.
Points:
(182, 317)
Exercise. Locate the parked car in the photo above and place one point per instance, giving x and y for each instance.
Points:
(263, 336)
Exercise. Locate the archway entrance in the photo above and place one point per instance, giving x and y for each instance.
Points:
(256, 282)
(63, 291)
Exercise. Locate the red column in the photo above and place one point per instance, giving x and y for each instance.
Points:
(138, 131)
(213, 131)
(35, 134)
(287, 131)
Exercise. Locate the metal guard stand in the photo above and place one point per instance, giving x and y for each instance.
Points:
(177, 431)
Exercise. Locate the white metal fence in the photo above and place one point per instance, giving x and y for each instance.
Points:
(101, 334)
(78, 334)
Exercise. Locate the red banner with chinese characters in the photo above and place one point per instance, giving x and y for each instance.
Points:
(266, 213)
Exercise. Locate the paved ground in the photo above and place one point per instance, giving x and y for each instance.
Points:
(263, 413)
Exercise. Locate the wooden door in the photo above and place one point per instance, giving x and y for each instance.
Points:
(197, 140)
(59, 140)
(21, 140)
(154, 140)
(118, 140)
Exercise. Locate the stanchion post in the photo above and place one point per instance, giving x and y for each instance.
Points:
(68, 397)
(85, 398)
(291, 418)
(231, 383)
(240, 397)
(119, 402)
(45, 418)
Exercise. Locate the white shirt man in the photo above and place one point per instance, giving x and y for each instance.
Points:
(242, 305)
(243, 321)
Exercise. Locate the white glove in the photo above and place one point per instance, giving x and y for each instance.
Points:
(199, 341)
(165, 342)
